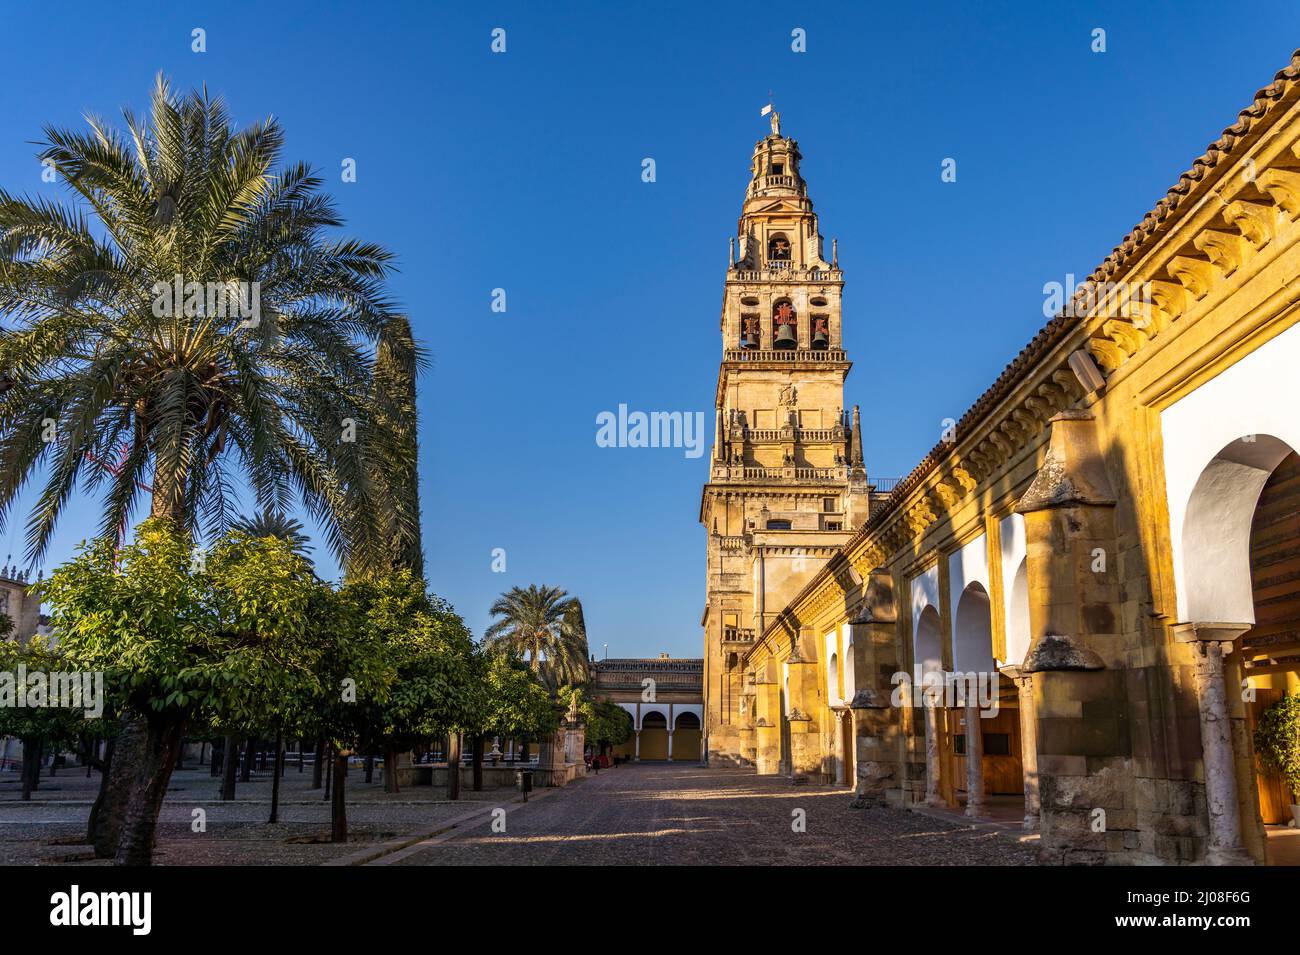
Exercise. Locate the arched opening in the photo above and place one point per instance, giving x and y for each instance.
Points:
(927, 655)
(654, 735)
(778, 249)
(1238, 575)
(833, 680)
(686, 737)
(1269, 657)
(785, 324)
(985, 732)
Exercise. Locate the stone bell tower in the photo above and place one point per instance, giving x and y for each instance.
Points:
(787, 485)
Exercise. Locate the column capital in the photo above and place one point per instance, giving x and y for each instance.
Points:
(1225, 634)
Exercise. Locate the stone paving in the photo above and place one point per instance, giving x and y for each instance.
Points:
(665, 814)
(50, 829)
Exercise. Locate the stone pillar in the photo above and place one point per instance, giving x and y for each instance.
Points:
(1212, 643)
(767, 726)
(1028, 742)
(636, 756)
(1076, 656)
(805, 704)
(552, 769)
(974, 761)
(932, 761)
(670, 746)
(838, 720)
(879, 742)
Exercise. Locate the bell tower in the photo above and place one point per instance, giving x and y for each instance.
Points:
(787, 485)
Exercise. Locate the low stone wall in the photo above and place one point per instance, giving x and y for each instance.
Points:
(435, 774)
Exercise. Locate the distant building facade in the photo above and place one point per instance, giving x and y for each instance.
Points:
(665, 699)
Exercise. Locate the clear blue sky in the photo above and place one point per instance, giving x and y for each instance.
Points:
(522, 171)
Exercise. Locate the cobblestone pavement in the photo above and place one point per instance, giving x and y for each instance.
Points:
(663, 814)
(50, 829)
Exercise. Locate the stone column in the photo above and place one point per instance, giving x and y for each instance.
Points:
(1076, 655)
(932, 761)
(636, 757)
(670, 746)
(805, 705)
(767, 725)
(1028, 742)
(974, 761)
(879, 741)
(841, 757)
(1212, 643)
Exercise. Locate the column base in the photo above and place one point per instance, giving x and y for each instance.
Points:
(1234, 856)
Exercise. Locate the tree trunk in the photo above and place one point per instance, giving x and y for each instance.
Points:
(203, 751)
(302, 758)
(329, 772)
(453, 765)
(250, 750)
(523, 749)
(390, 769)
(275, 778)
(338, 804)
(476, 752)
(158, 757)
(370, 768)
(128, 752)
(31, 765)
(318, 764)
(230, 766)
(217, 756)
(105, 766)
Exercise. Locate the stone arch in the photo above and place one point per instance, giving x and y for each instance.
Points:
(927, 642)
(972, 631)
(1215, 545)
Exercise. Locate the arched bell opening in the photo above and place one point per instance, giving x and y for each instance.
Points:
(785, 325)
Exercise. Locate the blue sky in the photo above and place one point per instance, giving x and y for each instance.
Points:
(522, 170)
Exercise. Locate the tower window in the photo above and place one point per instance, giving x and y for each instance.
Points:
(775, 525)
(778, 169)
(778, 248)
(828, 504)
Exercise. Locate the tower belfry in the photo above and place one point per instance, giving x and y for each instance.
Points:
(787, 485)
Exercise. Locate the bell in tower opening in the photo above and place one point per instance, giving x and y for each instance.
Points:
(749, 335)
(821, 338)
(784, 319)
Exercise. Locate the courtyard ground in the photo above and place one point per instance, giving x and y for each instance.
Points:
(681, 814)
(637, 814)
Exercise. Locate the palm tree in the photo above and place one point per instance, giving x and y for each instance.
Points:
(183, 396)
(129, 366)
(398, 361)
(277, 525)
(545, 625)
